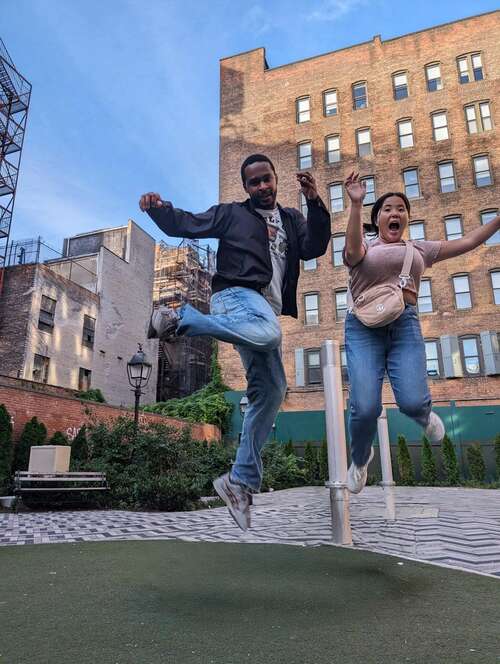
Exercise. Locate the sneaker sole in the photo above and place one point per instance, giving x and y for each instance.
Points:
(218, 485)
(356, 491)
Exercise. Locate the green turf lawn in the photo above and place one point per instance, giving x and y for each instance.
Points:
(182, 602)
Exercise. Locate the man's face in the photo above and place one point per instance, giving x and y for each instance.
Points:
(261, 184)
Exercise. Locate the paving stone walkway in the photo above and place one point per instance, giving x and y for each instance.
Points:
(447, 526)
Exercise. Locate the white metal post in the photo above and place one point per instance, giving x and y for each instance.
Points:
(386, 465)
(335, 436)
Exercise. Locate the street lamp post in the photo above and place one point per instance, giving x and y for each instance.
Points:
(138, 371)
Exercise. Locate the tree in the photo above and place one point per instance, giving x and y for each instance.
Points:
(477, 467)
(323, 461)
(429, 472)
(310, 464)
(497, 455)
(6, 451)
(79, 446)
(34, 433)
(405, 464)
(58, 438)
(288, 448)
(450, 462)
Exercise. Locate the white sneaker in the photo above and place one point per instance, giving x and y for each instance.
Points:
(435, 430)
(163, 323)
(357, 475)
(237, 499)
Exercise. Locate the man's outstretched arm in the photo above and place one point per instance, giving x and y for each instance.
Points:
(313, 235)
(179, 223)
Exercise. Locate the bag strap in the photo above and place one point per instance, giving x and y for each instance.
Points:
(404, 277)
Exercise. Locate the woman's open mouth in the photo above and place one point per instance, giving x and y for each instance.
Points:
(394, 226)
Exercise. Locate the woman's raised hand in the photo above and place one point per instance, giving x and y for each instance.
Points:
(356, 188)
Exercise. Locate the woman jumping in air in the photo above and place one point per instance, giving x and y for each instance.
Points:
(389, 338)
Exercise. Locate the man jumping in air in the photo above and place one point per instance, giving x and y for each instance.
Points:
(260, 246)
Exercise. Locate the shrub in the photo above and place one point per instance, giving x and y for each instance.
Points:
(310, 464)
(497, 455)
(405, 464)
(79, 448)
(450, 462)
(6, 451)
(323, 461)
(476, 463)
(281, 471)
(58, 438)
(34, 433)
(93, 394)
(288, 448)
(428, 463)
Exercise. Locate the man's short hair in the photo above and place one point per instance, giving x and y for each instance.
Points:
(251, 160)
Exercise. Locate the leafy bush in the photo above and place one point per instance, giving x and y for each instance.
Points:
(79, 448)
(323, 462)
(429, 471)
(476, 463)
(405, 464)
(34, 433)
(281, 470)
(497, 455)
(310, 464)
(58, 438)
(6, 451)
(450, 462)
(288, 448)
(94, 394)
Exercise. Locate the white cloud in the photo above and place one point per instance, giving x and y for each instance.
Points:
(333, 10)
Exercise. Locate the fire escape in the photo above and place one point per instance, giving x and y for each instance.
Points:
(15, 92)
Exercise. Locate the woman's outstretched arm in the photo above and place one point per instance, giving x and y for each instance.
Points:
(452, 248)
(354, 248)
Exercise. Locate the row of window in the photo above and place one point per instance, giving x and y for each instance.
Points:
(41, 367)
(453, 228)
(461, 289)
(469, 68)
(47, 317)
(470, 354)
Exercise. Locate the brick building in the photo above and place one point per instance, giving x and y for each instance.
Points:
(70, 322)
(418, 114)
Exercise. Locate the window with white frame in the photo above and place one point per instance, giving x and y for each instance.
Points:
(364, 142)
(478, 117)
(424, 300)
(330, 105)
(440, 126)
(340, 304)
(412, 185)
(432, 358)
(486, 217)
(447, 180)
(405, 134)
(338, 244)
(303, 109)
(482, 171)
(417, 230)
(332, 149)
(495, 285)
(336, 197)
(311, 307)
(453, 227)
(471, 355)
(470, 68)
(433, 76)
(400, 85)
(359, 96)
(304, 153)
(461, 286)
(313, 367)
(303, 204)
(370, 190)
(343, 365)
(309, 265)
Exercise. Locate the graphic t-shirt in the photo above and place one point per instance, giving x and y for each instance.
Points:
(278, 245)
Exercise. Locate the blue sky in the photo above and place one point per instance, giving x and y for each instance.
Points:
(126, 92)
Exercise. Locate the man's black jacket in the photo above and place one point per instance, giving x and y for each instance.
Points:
(243, 257)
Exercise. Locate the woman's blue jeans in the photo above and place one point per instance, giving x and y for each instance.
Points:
(397, 348)
(241, 316)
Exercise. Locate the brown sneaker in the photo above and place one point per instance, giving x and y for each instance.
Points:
(237, 499)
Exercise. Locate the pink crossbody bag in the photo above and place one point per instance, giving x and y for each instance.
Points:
(382, 304)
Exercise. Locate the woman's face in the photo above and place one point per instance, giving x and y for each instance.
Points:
(392, 219)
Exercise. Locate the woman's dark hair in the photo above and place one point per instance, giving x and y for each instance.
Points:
(251, 160)
(377, 206)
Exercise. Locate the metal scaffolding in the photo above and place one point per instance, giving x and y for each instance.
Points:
(15, 93)
(183, 275)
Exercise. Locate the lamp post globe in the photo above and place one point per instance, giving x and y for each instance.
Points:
(138, 371)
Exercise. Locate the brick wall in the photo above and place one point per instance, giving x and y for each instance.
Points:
(15, 314)
(59, 410)
(258, 114)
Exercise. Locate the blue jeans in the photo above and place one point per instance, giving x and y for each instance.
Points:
(397, 348)
(241, 316)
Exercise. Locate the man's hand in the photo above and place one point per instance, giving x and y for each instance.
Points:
(356, 188)
(150, 200)
(308, 185)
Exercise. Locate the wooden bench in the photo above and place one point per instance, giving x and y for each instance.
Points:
(26, 482)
